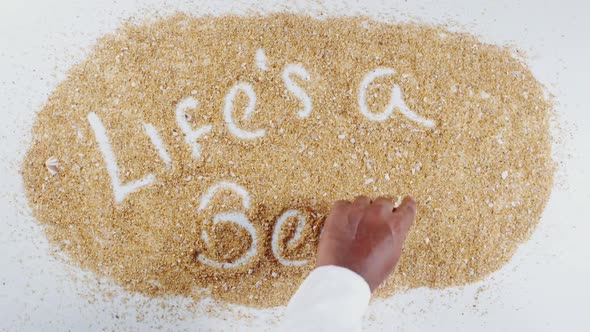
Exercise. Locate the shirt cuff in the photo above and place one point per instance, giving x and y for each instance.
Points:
(330, 298)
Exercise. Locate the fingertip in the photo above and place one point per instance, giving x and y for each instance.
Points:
(340, 204)
(408, 204)
(339, 207)
(362, 200)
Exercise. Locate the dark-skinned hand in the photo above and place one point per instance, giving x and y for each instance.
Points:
(366, 236)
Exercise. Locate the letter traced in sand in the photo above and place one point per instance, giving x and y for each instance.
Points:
(229, 105)
(396, 100)
(190, 135)
(236, 217)
(120, 190)
(260, 59)
(151, 131)
(277, 230)
(298, 70)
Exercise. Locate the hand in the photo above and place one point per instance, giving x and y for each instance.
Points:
(366, 236)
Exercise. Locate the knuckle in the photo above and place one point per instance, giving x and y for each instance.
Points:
(375, 211)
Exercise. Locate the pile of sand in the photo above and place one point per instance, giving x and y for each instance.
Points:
(241, 126)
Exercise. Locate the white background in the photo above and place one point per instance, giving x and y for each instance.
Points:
(544, 288)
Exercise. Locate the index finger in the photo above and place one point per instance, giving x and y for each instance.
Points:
(338, 211)
(339, 206)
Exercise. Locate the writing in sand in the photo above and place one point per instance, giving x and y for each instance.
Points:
(200, 156)
(192, 136)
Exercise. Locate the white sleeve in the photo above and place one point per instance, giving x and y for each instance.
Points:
(331, 298)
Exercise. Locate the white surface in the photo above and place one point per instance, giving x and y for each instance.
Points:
(544, 287)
